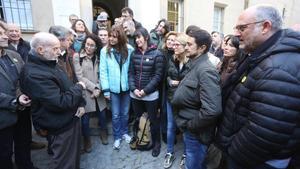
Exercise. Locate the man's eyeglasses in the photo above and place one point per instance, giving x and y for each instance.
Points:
(241, 28)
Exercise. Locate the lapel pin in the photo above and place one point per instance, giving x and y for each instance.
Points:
(15, 60)
(244, 79)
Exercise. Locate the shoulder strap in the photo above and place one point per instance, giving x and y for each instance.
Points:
(144, 130)
(80, 60)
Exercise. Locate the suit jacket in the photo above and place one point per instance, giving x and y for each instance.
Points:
(23, 49)
(9, 92)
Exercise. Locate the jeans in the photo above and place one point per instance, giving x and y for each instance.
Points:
(120, 103)
(171, 129)
(85, 121)
(195, 152)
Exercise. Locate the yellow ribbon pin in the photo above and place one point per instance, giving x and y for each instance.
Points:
(244, 79)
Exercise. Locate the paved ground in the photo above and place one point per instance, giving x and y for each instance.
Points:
(104, 157)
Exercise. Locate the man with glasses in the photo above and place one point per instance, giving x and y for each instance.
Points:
(57, 103)
(260, 128)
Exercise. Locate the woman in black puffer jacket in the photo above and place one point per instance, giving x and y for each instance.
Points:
(146, 70)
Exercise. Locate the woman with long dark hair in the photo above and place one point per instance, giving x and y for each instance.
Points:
(81, 32)
(232, 54)
(146, 71)
(86, 65)
(114, 65)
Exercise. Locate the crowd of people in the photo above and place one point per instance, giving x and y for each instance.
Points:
(234, 98)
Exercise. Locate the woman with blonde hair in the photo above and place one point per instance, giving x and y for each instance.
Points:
(168, 52)
(177, 69)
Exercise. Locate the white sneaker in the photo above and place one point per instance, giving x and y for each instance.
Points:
(117, 144)
(127, 138)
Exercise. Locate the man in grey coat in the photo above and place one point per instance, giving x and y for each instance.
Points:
(197, 100)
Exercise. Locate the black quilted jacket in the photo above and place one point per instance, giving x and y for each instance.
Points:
(146, 70)
(262, 111)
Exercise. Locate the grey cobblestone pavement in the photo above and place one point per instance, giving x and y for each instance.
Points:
(104, 157)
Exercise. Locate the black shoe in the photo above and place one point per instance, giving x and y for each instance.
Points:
(49, 150)
(156, 151)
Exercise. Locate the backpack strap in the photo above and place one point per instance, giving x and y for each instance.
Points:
(144, 130)
(80, 60)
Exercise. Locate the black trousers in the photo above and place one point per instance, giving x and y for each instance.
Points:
(19, 136)
(139, 107)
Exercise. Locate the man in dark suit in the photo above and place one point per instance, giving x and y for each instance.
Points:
(18, 44)
(14, 127)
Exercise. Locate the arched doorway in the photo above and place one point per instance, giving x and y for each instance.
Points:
(111, 7)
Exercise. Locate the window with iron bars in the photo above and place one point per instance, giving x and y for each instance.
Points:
(18, 12)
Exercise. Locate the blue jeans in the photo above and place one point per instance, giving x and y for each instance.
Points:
(102, 119)
(120, 107)
(195, 152)
(85, 122)
(171, 129)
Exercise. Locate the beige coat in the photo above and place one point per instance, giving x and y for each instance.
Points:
(87, 72)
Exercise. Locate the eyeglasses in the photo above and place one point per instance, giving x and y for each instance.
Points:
(176, 45)
(172, 40)
(90, 46)
(241, 28)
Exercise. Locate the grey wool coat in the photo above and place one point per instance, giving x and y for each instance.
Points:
(87, 71)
